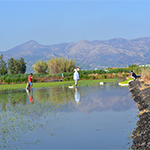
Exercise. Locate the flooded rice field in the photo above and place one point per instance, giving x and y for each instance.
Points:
(90, 117)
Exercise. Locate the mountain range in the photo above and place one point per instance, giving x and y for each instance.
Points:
(117, 52)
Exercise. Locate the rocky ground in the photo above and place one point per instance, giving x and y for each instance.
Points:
(141, 94)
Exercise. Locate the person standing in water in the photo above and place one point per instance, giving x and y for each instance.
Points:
(76, 77)
(30, 80)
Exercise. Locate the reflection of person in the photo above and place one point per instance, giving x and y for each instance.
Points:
(30, 80)
(77, 96)
(31, 99)
(133, 75)
(76, 77)
(62, 75)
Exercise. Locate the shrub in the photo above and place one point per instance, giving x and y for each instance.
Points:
(68, 79)
(8, 80)
(124, 75)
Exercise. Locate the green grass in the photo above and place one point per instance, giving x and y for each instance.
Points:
(49, 84)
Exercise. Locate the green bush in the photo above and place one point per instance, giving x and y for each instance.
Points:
(8, 80)
(118, 70)
(116, 75)
(68, 79)
(124, 75)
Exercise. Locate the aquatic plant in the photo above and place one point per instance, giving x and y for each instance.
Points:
(18, 116)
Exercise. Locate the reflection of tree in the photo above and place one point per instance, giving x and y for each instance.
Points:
(54, 95)
(16, 98)
(93, 98)
(41, 95)
(12, 97)
(3, 101)
(58, 96)
(21, 116)
(141, 135)
(18, 119)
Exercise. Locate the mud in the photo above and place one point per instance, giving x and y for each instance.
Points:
(141, 135)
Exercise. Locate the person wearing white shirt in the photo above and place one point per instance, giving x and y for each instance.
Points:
(76, 77)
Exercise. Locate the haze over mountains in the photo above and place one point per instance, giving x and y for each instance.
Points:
(117, 52)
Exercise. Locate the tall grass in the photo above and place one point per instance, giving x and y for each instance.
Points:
(145, 72)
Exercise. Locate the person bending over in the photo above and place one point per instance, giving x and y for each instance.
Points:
(30, 80)
(133, 75)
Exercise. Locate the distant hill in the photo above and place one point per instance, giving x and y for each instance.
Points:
(88, 54)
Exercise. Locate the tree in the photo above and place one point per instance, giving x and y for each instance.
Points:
(22, 66)
(40, 67)
(3, 68)
(16, 66)
(59, 65)
(11, 65)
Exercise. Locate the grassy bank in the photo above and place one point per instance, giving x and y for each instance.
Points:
(50, 84)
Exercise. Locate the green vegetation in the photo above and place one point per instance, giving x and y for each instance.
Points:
(16, 66)
(49, 84)
(68, 76)
(3, 68)
(60, 65)
(118, 70)
(40, 67)
(54, 68)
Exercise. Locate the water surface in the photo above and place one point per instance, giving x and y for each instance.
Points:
(92, 117)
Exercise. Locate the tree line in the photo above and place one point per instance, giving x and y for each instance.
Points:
(57, 65)
(13, 66)
(54, 66)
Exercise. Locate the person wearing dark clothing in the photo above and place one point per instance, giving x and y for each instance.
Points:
(133, 75)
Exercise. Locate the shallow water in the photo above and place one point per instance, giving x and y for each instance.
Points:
(93, 117)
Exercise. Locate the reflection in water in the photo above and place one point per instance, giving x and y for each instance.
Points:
(77, 95)
(103, 98)
(31, 99)
(54, 96)
(52, 115)
(13, 97)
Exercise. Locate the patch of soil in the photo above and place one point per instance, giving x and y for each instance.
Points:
(47, 79)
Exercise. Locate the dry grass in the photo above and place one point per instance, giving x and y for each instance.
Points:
(145, 72)
(39, 79)
(95, 75)
(143, 111)
(145, 76)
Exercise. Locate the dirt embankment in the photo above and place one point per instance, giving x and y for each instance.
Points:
(48, 79)
(141, 135)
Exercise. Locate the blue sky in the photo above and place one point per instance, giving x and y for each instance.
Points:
(52, 22)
